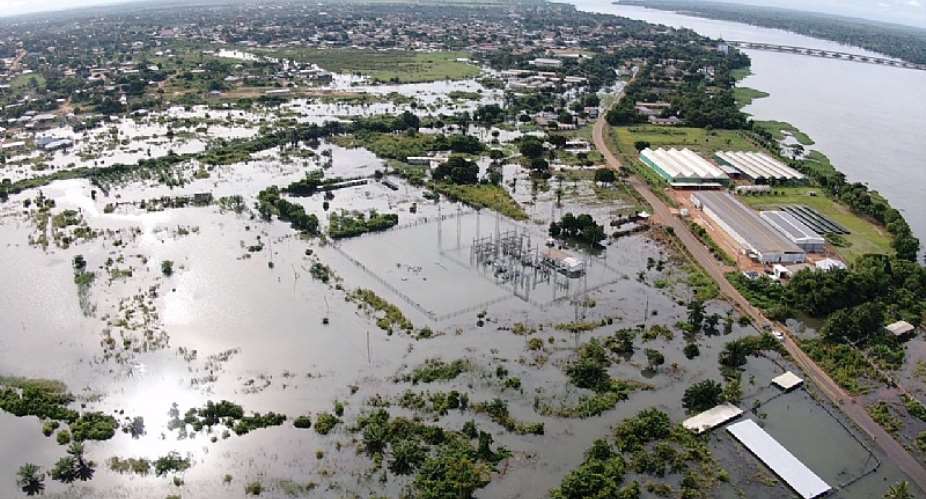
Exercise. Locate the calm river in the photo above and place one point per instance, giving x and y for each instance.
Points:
(868, 119)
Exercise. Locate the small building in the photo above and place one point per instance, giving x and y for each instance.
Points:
(58, 144)
(828, 264)
(543, 62)
(787, 381)
(901, 329)
(712, 418)
(564, 262)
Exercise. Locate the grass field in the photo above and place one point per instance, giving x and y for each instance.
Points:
(866, 237)
(781, 129)
(489, 196)
(699, 140)
(745, 95)
(386, 66)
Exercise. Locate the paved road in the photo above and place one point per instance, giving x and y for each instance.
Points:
(849, 405)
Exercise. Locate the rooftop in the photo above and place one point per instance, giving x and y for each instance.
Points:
(758, 234)
(798, 476)
(787, 381)
(712, 418)
(900, 328)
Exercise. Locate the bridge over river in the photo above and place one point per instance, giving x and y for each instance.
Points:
(828, 54)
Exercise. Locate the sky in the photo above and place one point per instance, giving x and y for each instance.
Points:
(912, 12)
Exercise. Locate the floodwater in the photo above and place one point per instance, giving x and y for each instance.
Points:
(241, 319)
(867, 119)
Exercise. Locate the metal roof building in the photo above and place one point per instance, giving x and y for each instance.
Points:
(758, 165)
(793, 472)
(684, 168)
(795, 230)
(712, 418)
(754, 235)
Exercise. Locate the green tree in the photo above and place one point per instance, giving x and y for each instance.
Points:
(702, 396)
(30, 479)
(654, 359)
(605, 175)
(695, 315)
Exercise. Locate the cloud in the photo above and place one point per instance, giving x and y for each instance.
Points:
(915, 3)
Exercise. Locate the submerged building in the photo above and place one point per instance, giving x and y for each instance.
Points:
(684, 168)
(757, 238)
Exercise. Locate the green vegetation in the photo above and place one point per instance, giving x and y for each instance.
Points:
(392, 317)
(745, 95)
(444, 463)
(173, 462)
(702, 396)
(303, 422)
(270, 203)
(45, 399)
(351, 224)
(437, 370)
(94, 426)
(589, 370)
(139, 466)
(497, 410)
(578, 228)
(439, 403)
(325, 422)
(231, 416)
(491, 196)
(843, 363)
(703, 236)
(30, 479)
(885, 416)
(395, 66)
(646, 444)
(702, 140)
(865, 237)
(781, 130)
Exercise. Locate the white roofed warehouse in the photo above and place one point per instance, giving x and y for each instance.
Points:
(684, 168)
(758, 166)
(755, 236)
(795, 230)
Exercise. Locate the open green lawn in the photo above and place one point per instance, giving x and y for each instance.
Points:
(699, 140)
(781, 129)
(865, 237)
(387, 66)
(745, 95)
(493, 197)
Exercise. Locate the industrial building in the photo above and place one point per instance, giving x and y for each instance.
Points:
(795, 230)
(756, 237)
(684, 168)
(792, 471)
(758, 166)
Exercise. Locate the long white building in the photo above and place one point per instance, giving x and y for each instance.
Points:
(758, 166)
(684, 168)
(757, 238)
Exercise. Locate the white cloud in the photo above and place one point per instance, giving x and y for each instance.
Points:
(915, 3)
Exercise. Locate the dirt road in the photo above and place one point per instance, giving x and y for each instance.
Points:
(849, 405)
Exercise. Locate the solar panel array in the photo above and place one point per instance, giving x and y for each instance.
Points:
(813, 219)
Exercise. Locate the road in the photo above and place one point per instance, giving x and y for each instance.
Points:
(662, 214)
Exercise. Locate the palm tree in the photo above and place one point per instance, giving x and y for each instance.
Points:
(64, 470)
(30, 479)
(83, 469)
(900, 490)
